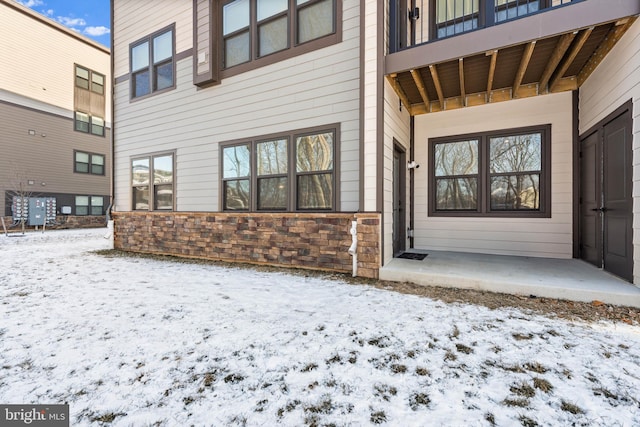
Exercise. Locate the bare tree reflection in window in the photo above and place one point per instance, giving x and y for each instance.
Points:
(314, 167)
(272, 164)
(456, 171)
(515, 164)
(235, 174)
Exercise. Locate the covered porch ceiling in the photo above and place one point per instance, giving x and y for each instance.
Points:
(557, 63)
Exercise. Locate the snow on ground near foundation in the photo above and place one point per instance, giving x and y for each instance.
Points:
(140, 342)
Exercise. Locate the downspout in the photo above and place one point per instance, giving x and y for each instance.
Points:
(353, 249)
(412, 183)
(110, 227)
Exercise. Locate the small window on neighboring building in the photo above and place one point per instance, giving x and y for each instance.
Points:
(152, 63)
(97, 83)
(89, 205)
(82, 77)
(82, 205)
(89, 163)
(97, 126)
(97, 205)
(89, 124)
(153, 182)
(82, 122)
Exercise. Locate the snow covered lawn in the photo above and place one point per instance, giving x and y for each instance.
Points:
(141, 342)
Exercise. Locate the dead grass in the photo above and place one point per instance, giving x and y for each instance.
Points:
(542, 385)
(523, 389)
(571, 408)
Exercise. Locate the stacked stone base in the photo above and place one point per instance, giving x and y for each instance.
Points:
(312, 241)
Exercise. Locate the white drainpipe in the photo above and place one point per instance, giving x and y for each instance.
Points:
(353, 249)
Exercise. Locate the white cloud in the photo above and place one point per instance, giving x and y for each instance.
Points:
(30, 3)
(48, 12)
(71, 22)
(96, 31)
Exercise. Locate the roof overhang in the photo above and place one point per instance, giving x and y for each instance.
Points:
(551, 51)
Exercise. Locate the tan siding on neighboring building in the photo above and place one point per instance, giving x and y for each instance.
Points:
(48, 156)
(539, 237)
(614, 82)
(319, 88)
(38, 59)
(37, 94)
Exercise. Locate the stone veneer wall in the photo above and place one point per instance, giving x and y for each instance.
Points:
(302, 240)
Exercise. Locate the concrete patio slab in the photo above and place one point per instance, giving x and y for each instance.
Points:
(570, 279)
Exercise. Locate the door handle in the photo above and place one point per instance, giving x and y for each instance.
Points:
(602, 209)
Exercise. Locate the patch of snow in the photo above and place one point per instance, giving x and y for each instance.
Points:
(149, 342)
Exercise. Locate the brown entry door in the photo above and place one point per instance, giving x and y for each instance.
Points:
(606, 211)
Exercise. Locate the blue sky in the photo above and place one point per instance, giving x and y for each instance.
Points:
(89, 18)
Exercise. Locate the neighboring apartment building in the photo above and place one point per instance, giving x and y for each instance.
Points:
(55, 116)
(258, 131)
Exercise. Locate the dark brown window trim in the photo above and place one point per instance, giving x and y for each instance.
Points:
(174, 59)
(292, 51)
(291, 169)
(152, 202)
(483, 209)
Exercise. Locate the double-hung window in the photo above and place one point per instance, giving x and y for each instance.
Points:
(152, 180)
(152, 63)
(88, 163)
(289, 172)
(502, 173)
(89, 205)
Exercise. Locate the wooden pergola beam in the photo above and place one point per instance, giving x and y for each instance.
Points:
(610, 40)
(393, 81)
(522, 69)
(420, 84)
(461, 75)
(492, 72)
(554, 60)
(436, 82)
(569, 57)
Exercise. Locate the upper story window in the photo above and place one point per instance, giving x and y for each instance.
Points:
(290, 172)
(152, 179)
(255, 29)
(152, 63)
(503, 173)
(89, 101)
(89, 80)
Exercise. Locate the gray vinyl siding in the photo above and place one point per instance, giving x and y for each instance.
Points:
(48, 158)
(314, 89)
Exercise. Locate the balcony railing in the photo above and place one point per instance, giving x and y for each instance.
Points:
(410, 25)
